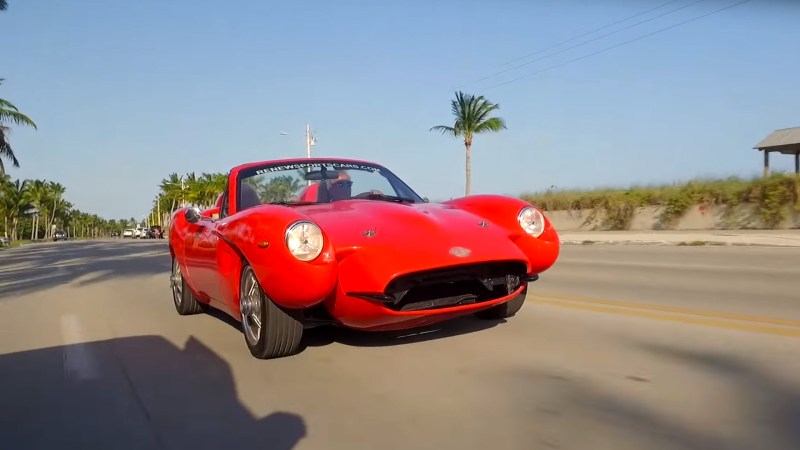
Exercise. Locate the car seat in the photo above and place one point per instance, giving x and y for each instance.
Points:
(248, 196)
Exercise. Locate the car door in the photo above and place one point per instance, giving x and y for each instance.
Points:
(204, 250)
(228, 262)
(202, 242)
(199, 256)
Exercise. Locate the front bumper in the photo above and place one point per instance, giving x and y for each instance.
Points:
(366, 315)
(431, 296)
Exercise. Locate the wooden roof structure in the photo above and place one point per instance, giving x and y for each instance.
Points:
(785, 141)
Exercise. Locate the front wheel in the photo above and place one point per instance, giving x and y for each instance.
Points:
(185, 301)
(504, 310)
(268, 330)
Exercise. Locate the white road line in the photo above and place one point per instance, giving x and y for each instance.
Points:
(79, 362)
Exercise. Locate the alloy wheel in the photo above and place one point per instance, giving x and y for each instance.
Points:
(250, 302)
(176, 279)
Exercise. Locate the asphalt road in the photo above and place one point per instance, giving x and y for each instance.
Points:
(618, 347)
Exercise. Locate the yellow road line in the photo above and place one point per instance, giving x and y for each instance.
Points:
(718, 323)
(672, 309)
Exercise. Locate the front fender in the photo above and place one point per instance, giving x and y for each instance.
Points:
(177, 239)
(542, 252)
(257, 234)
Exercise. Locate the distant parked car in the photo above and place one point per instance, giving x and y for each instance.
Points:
(5, 241)
(156, 232)
(60, 236)
(128, 233)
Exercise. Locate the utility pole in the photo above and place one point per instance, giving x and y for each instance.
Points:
(309, 140)
(183, 188)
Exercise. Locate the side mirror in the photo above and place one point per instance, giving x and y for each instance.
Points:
(192, 214)
(426, 199)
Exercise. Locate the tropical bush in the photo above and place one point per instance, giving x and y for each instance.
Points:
(772, 198)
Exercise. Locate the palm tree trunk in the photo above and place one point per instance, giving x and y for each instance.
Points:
(50, 222)
(171, 209)
(468, 145)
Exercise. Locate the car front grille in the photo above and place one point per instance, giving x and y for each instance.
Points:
(452, 286)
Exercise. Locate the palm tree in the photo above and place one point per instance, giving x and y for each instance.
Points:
(278, 189)
(472, 117)
(10, 113)
(3, 5)
(15, 203)
(5, 201)
(55, 192)
(37, 196)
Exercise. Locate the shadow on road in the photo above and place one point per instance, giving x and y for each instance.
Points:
(329, 334)
(37, 267)
(766, 415)
(131, 393)
(772, 405)
(318, 337)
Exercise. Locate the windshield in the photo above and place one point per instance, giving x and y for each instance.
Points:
(320, 182)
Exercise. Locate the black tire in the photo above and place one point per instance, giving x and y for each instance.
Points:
(280, 333)
(185, 302)
(504, 310)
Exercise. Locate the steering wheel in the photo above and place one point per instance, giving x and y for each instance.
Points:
(364, 195)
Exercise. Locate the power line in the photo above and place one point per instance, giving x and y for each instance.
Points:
(589, 32)
(578, 37)
(619, 45)
(590, 40)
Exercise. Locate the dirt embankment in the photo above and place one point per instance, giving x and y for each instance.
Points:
(696, 217)
(732, 203)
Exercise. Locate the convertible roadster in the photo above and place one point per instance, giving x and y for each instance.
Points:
(297, 243)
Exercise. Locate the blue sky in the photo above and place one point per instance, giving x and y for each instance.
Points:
(126, 92)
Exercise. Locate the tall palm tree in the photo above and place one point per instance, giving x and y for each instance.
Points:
(5, 200)
(10, 113)
(3, 5)
(472, 117)
(55, 193)
(37, 197)
(15, 202)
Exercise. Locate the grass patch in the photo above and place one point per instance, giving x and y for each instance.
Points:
(16, 243)
(773, 198)
(692, 244)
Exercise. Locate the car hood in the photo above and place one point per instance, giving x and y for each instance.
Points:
(378, 240)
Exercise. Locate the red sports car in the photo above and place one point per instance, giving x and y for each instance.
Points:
(301, 242)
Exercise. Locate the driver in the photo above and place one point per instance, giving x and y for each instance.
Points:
(341, 187)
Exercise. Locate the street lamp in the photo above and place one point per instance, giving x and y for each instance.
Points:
(310, 139)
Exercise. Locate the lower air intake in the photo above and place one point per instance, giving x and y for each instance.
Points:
(454, 286)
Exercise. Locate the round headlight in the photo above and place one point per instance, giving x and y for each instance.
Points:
(304, 240)
(531, 220)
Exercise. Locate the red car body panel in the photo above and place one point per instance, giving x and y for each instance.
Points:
(367, 243)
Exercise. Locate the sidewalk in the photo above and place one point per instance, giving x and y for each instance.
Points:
(779, 238)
